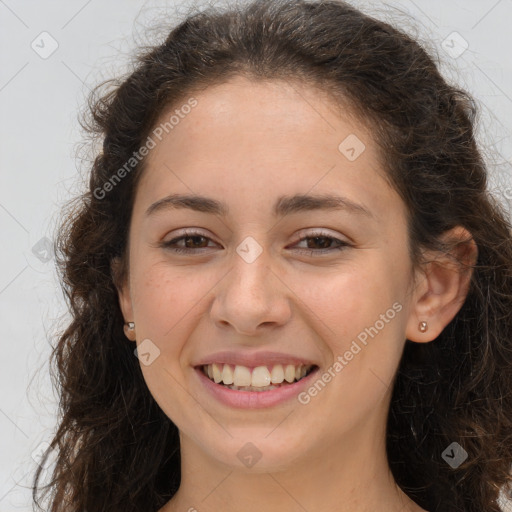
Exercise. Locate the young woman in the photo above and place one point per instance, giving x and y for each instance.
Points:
(290, 288)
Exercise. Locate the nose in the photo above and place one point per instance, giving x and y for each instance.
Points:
(252, 297)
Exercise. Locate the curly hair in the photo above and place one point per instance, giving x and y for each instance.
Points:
(117, 450)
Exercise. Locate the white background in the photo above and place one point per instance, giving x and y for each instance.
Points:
(39, 137)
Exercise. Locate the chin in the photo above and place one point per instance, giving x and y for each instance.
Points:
(257, 450)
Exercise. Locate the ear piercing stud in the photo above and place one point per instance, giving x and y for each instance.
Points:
(129, 330)
(423, 326)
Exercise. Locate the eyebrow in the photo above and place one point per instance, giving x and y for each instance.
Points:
(285, 205)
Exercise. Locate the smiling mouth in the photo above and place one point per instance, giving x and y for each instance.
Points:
(259, 378)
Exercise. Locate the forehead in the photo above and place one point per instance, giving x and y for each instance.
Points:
(254, 138)
(266, 109)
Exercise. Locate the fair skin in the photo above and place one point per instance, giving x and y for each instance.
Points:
(246, 144)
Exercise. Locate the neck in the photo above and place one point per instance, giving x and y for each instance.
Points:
(352, 476)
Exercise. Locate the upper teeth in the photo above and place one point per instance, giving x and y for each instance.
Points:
(260, 376)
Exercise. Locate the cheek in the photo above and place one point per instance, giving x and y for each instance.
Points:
(167, 305)
(347, 300)
(166, 299)
(358, 314)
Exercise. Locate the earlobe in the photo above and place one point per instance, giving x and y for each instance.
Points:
(120, 281)
(443, 286)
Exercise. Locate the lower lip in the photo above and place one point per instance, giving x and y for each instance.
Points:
(254, 399)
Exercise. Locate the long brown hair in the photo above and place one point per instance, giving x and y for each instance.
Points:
(117, 450)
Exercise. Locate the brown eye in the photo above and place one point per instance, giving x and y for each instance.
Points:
(321, 243)
(192, 242)
(196, 241)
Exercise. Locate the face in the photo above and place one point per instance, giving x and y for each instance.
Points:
(256, 280)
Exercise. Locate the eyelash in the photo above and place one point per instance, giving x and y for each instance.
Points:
(311, 252)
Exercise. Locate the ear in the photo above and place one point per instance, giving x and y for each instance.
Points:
(120, 280)
(442, 285)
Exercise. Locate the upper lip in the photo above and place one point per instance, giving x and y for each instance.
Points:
(252, 359)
